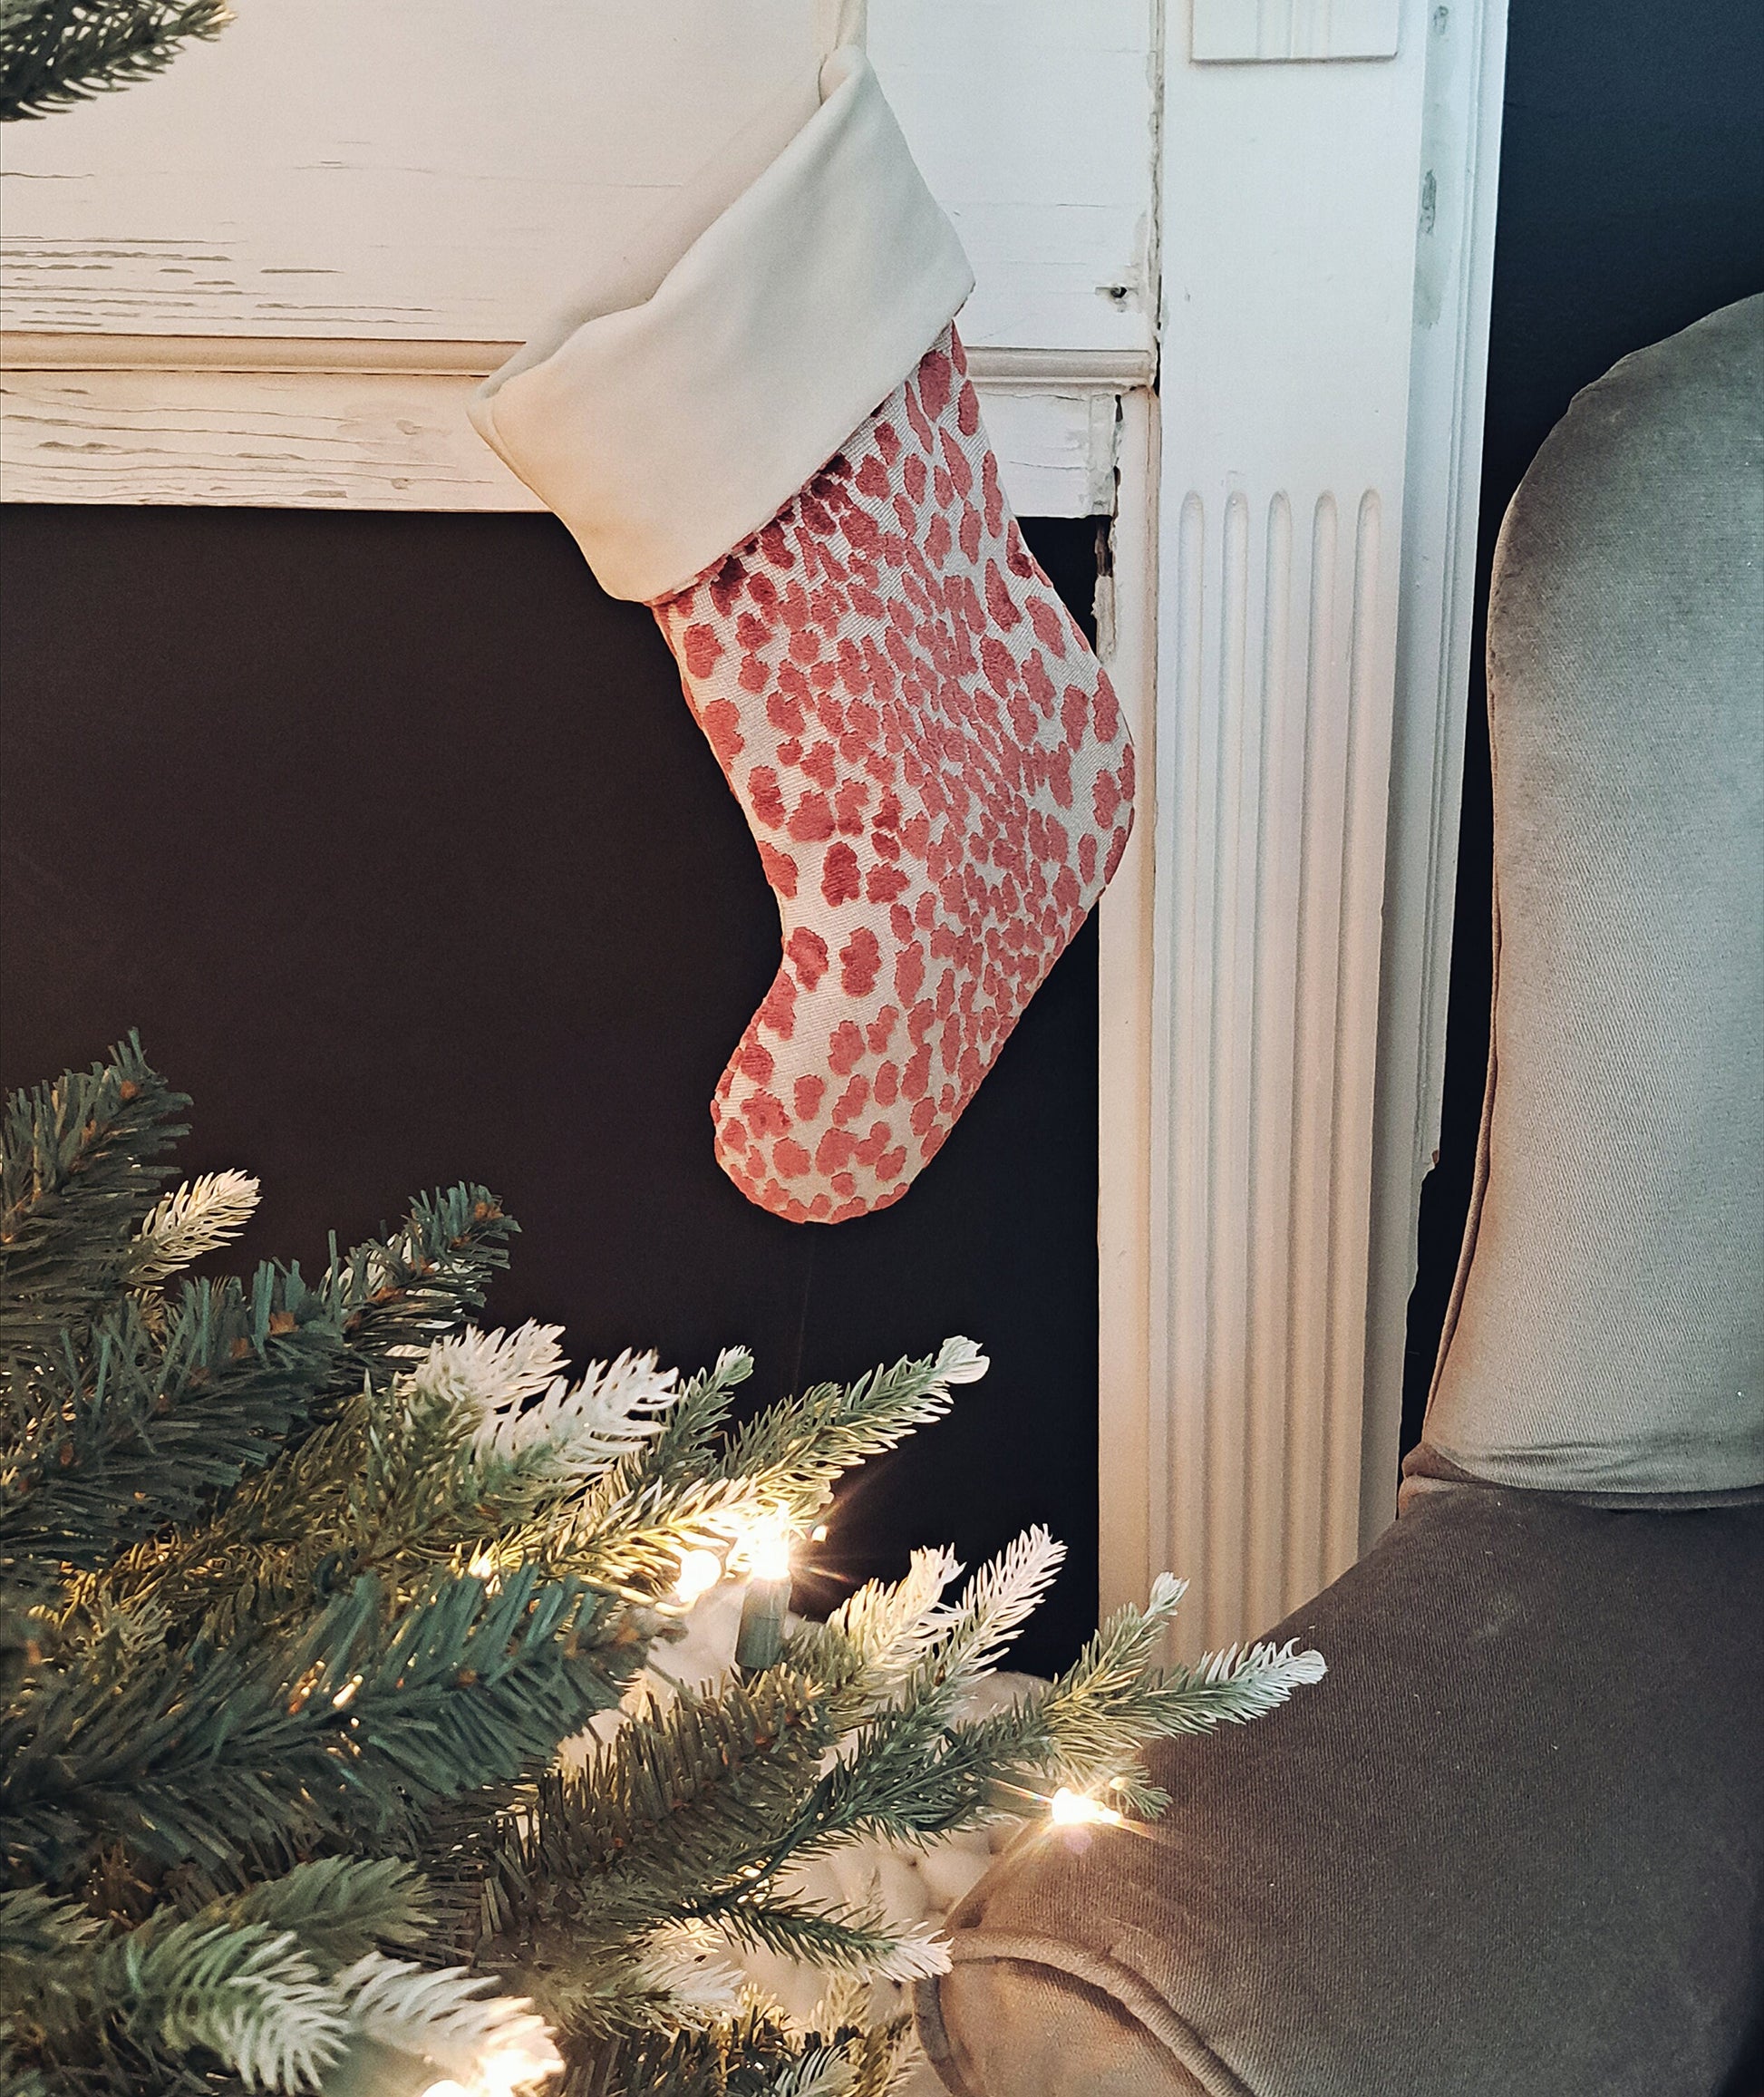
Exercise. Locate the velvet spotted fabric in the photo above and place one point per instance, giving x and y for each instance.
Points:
(938, 779)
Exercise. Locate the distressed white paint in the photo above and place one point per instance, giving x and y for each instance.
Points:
(285, 440)
(392, 169)
(305, 424)
(1033, 123)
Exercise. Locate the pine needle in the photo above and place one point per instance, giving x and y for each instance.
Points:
(202, 1216)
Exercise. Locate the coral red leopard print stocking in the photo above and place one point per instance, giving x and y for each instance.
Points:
(937, 776)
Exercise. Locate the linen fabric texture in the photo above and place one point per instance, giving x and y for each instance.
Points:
(764, 323)
(936, 773)
(1514, 1843)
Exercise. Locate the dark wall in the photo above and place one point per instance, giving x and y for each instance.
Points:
(395, 839)
(1631, 203)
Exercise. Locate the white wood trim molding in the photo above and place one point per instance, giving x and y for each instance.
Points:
(89, 350)
(1454, 275)
(1129, 1415)
(305, 422)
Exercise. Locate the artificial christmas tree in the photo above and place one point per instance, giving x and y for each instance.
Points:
(306, 1585)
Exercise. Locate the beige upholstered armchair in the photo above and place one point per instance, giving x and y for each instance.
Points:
(1514, 1845)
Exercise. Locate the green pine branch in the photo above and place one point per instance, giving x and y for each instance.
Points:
(57, 53)
(381, 1489)
(420, 1283)
(248, 1994)
(395, 1484)
(339, 1907)
(680, 1492)
(342, 1733)
(659, 1821)
(79, 1167)
(103, 1445)
(801, 1447)
(754, 2055)
(387, 1300)
(860, 1943)
(914, 1771)
(257, 1980)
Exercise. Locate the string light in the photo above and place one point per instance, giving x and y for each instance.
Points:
(765, 1545)
(765, 1551)
(699, 1572)
(1069, 1809)
(506, 2070)
(489, 2085)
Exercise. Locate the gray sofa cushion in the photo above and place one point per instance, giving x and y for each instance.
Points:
(1512, 1847)
(1607, 1334)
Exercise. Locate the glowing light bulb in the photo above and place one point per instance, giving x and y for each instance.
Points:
(767, 1549)
(699, 1572)
(505, 2072)
(1069, 1809)
(519, 2056)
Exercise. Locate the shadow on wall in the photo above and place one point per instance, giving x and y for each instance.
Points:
(1631, 203)
(396, 839)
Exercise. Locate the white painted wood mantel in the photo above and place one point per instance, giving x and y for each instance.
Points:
(1232, 262)
(273, 275)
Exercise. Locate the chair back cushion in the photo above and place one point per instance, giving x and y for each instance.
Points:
(1607, 1329)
